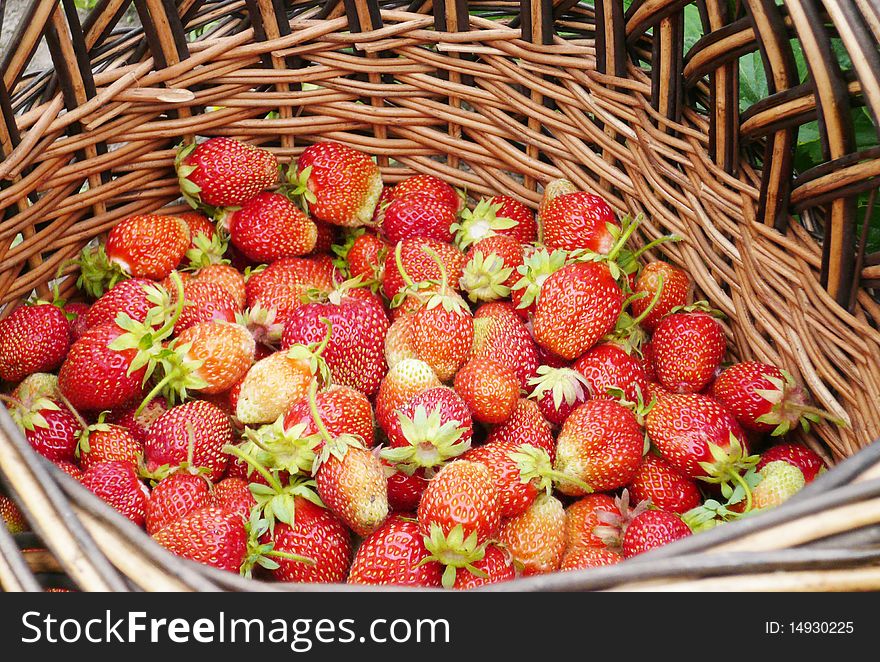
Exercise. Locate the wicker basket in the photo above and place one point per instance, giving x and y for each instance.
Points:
(493, 96)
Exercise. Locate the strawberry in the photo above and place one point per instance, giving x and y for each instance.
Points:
(554, 189)
(269, 227)
(403, 381)
(459, 511)
(652, 529)
(608, 367)
(430, 186)
(137, 423)
(395, 555)
(397, 340)
(224, 172)
(208, 535)
(500, 215)
(216, 353)
(205, 302)
(103, 442)
(384, 199)
(647, 362)
(15, 522)
(588, 557)
(33, 339)
(688, 348)
(578, 305)
(490, 389)
(536, 538)
(234, 495)
(326, 238)
(355, 352)
(558, 391)
(194, 432)
(526, 425)
(343, 410)
(584, 517)
(810, 464)
(417, 215)
(490, 269)
(501, 336)
(117, 483)
(50, 428)
(175, 497)
(780, 481)
(601, 444)
(667, 488)
(198, 224)
(366, 258)
(227, 277)
(404, 491)
(340, 185)
(273, 384)
(675, 292)
(70, 469)
(495, 566)
(35, 387)
(135, 297)
(76, 312)
(315, 534)
(765, 399)
(538, 265)
(579, 220)
(418, 265)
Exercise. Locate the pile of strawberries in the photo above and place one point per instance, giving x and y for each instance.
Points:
(325, 379)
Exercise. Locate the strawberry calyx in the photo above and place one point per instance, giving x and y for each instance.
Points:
(330, 446)
(699, 307)
(297, 187)
(431, 442)
(737, 504)
(628, 333)
(536, 467)
(97, 273)
(789, 406)
(728, 466)
(28, 416)
(564, 384)
(341, 250)
(619, 261)
(208, 250)
(262, 323)
(613, 525)
(264, 554)
(82, 445)
(535, 269)
(37, 386)
(639, 408)
(481, 222)
(188, 188)
(454, 551)
(485, 276)
(181, 375)
(282, 448)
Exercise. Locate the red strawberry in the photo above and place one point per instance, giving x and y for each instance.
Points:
(224, 172)
(139, 423)
(326, 238)
(490, 389)
(76, 312)
(227, 277)
(495, 566)
(810, 464)
(135, 297)
(70, 469)
(501, 336)
(198, 224)
(393, 555)
(33, 339)
(578, 305)
(558, 391)
(652, 529)
(536, 538)
(269, 227)
(50, 428)
(688, 348)
(419, 265)
(765, 399)
(366, 258)
(103, 442)
(585, 516)
(216, 354)
(234, 495)
(500, 215)
(526, 425)
(667, 488)
(417, 215)
(428, 185)
(175, 497)
(117, 483)
(601, 444)
(404, 491)
(588, 557)
(15, 522)
(538, 265)
(526, 229)
(340, 185)
(193, 432)
(343, 410)
(579, 220)
(442, 332)
(648, 362)
(553, 189)
(608, 367)
(403, 381)
(205, 302)
(675, 292)
(491, 268)
(698, 436)
(208, 535)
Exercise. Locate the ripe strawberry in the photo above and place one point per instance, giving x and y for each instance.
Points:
(223, 172)
(558, 391)
(355, 352)
(601, 444)
(272, 385)
(315, 534)
(765, 399)
(269, 227)
(397, 340)
(76, 312)
(419, 265)
(698, 436)
(490, 389)
(417, 215)
(205, 302)
(675, 292)
(217, 354)
(137, 423)
(588, 557)
(326, 238)
(430, 186)
(33, 339)
(810, 464)
(343, 410)
(175, 497)
(404, 491)
(366, 258)
(194, 432)
(227, 277)
(779, 482)
(50, 428)
(491, 268)
(652, 529)
(117, 484)
(499, 215)
(536, 538)
(384, 199)
(688, 348)
(198, 224)
(608, 366)
(403, 381)
(554, 189)
(578, 305)
(526, 229)
(501, 336)
(208, 535)
(526, 425)
(135, 297)
(667, 488)
(15, 522)
(340, 185)
(583, 520)
(103, 442)
(393, 555)
(495, 566)
(579, 220)
(70, 469)
(233, 495)
(647, 362)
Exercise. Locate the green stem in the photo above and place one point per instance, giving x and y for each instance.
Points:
(323, 344)
(821, 413)
(653, 302)
(316, 416)
(748, 491)
(241, 455)
(560, 477)
(156, 390)
(653, 244)
(168, 327)
(398, 260)
(291, 557)
(621, 242)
